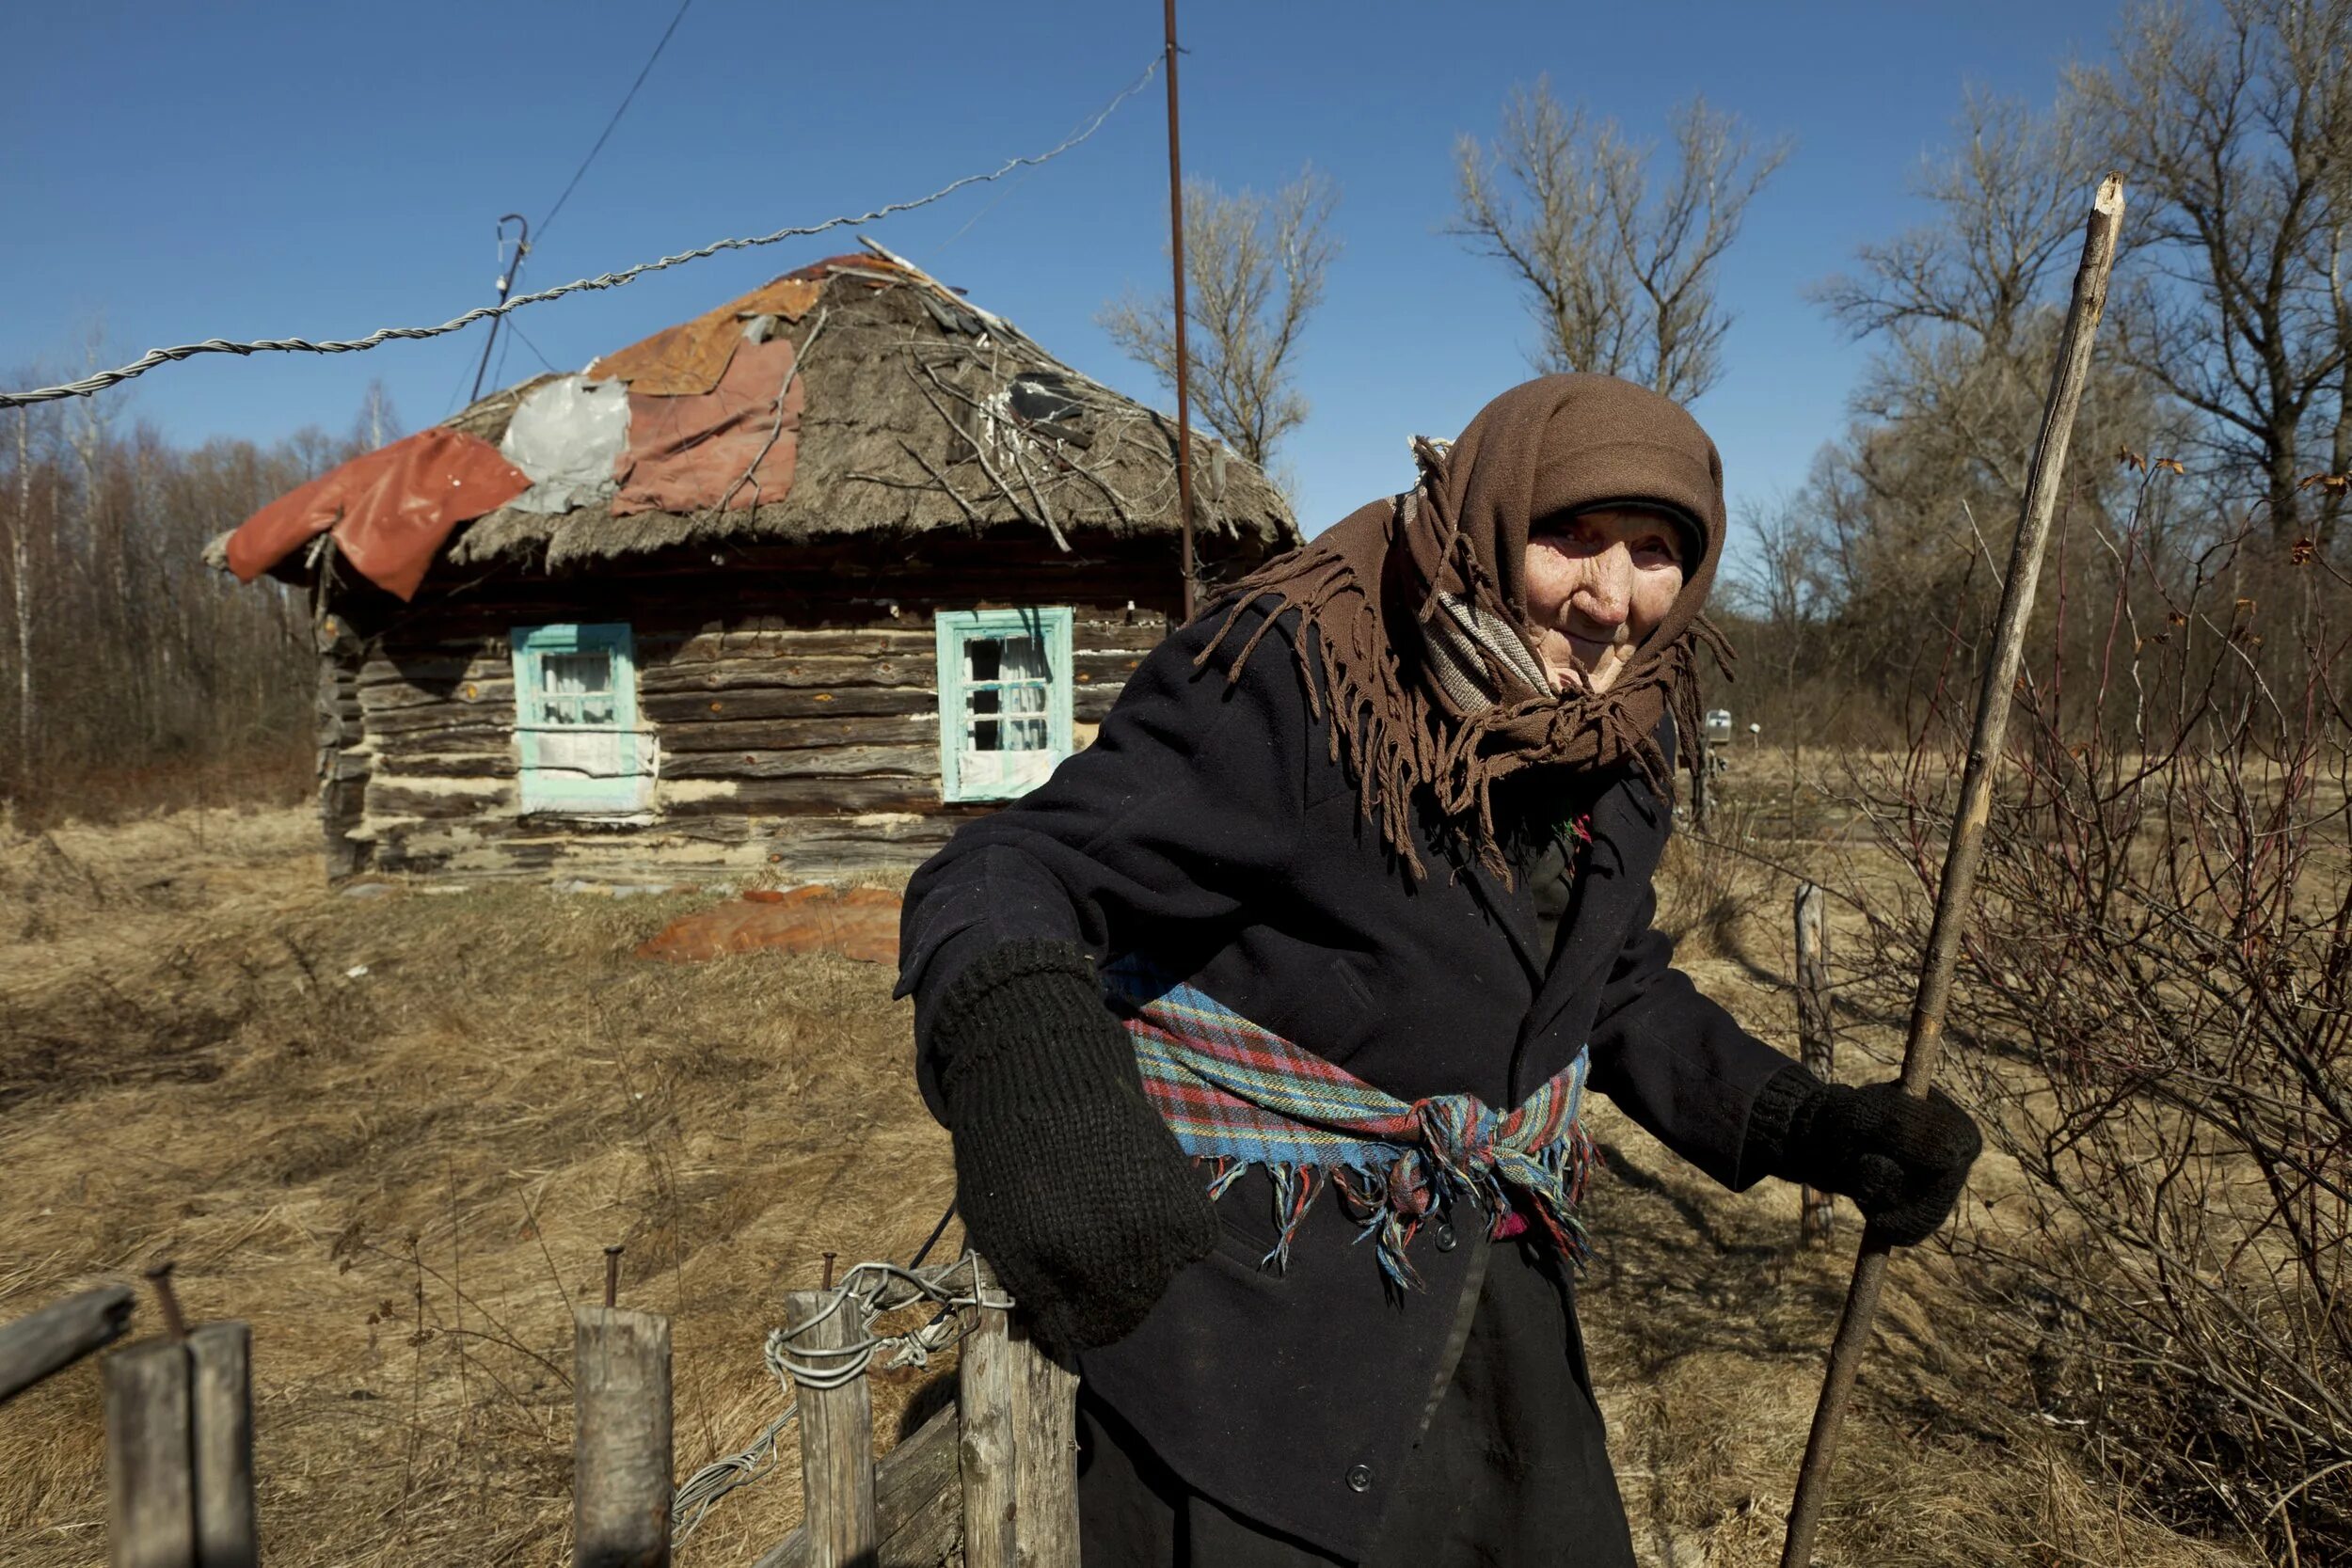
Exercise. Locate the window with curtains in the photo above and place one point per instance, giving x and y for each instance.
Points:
(1004, 700)
(584, 750)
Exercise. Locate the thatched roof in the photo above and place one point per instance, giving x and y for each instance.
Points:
(925, 413)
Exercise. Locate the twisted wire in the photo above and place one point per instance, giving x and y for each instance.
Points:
(877, 1288)
(98, 381)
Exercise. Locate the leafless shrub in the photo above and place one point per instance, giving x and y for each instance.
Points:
(2160, 976)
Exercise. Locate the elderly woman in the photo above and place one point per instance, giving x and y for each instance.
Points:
(1261, 1027)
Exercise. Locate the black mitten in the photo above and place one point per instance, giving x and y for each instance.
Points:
(1068, 1181)
(1902, 1159)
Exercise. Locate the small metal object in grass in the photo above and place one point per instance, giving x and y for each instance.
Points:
(160, 1277)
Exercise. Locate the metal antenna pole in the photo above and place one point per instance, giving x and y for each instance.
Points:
(1176, 236)
(506, 286)
(1960, 860)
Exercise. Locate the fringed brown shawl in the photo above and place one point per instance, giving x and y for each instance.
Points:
(1375, 585)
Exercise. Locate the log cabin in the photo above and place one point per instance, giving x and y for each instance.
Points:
(796, 586)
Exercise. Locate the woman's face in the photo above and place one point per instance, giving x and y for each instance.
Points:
(1598, 583)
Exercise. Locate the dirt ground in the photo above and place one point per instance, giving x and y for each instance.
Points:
(394, 1130)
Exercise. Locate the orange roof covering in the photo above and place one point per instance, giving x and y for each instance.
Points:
(388, 510)
(687, 360)
(730, 447)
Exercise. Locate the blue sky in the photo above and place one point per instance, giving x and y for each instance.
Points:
(242, 171)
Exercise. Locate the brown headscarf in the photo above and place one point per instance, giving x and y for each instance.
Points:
(1372, 585)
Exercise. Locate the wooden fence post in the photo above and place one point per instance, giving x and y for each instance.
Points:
(60, 1334)
(1813, 1033)
(150, 1488)
(220, 1358)
(1045, 1444)
(987, 1455)
(836, 1436)
(621, 1459)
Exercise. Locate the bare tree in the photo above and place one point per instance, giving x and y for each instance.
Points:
(1255, 269)
(2239, 133)
(1619, 272)
(2007, 198)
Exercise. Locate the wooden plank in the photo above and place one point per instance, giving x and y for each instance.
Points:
(753, 702)
(891, 638)
(1815, 1212)
(443, 723)
(795, 671)
(916, 1504)
(807, 761)
(836, 1437)
(985, 1392)
(151, 1484)
(35, 1346)
(482, 764)
(812, 797)
(390, 798)
(702, 732)
(220, 1357)
(622, 1483)
(1045, 1444)
(391, 697)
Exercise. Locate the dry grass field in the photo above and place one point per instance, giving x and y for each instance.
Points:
(395, 1132)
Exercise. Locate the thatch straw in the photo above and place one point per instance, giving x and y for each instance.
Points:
(915, 421)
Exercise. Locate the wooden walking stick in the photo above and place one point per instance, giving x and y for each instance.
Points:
(1960, 858)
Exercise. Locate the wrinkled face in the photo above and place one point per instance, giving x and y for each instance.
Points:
(1598, 583)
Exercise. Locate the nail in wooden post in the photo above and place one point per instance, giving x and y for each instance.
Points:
(984, 1392)
(60, 1333)
(621, 1457)
(1813, 1033)
(220, 1360)
(150, 1493)
(1046, 1486)
(836, 1437)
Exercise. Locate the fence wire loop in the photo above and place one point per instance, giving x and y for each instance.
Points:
(877, 1289)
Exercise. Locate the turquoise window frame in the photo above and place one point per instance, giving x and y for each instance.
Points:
(566, 791)
(954, 628)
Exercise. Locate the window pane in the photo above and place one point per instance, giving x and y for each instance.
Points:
(1024, 699)
(574, 674)
(987, 735)
(989, 700)
(1028, 734)
(1025, 658)
(981, 658)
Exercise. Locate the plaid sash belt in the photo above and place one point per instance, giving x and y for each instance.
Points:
(1236, 1095)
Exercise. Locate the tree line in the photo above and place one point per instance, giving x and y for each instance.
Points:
(2220, 406)
(133, 674)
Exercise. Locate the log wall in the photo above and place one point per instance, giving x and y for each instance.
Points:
(796, 729)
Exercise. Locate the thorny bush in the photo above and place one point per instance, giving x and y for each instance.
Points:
(2154, 1018)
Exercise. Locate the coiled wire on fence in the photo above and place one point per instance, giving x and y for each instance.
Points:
(878, 1289)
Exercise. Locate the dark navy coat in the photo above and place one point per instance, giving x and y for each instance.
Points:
(1210, 827)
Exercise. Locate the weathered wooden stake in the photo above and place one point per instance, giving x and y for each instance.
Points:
(151, 1485)
(1813, 1033)
(1045, 1444)
(60, 1333)
(621, 1459)
(1924, 1045)
(837, 1438)
(984, 1389)
(220, 1358)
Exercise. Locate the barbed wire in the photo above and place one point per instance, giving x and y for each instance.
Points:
(878, 1289)
(98, 381)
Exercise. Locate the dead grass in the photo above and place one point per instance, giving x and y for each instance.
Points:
(395, 1132)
